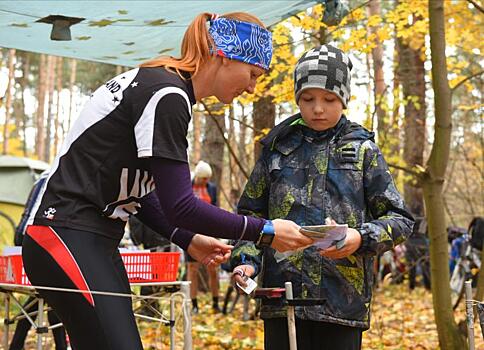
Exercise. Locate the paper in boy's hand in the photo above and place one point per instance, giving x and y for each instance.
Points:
(325, 236)
(251, 285)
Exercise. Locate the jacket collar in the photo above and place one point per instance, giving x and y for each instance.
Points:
(289, 134)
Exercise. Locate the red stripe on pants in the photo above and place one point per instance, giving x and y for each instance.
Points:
(48, 239)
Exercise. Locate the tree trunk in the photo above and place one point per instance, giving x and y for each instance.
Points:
(57, 113)
(233, 176)
(214, 144)
(412, 75)
(1, 65)
(395, 118)
(40, 141)
(72, 80)
(8, 98)
(370, 117)
(51, 62)
(264, 118)
(480, 280)
(393, 136)
(433, 180)
(243, 153)
(197, 135)
(380, 88)
(23, 86)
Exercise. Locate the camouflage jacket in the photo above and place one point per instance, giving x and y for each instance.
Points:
(305, 176)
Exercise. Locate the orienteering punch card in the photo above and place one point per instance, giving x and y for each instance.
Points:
(251, 285)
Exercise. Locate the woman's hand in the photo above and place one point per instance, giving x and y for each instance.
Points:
(352, 243)
(208, 250)
(288, 237)
(239, 273)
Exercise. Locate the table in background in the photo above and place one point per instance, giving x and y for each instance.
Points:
(181, 287)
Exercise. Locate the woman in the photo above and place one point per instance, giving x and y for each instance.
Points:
(126, 155)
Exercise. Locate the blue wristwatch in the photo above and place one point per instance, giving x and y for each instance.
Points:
(267, 235)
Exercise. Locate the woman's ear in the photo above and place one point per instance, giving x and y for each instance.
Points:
(213, 63)
(225, 61)
(217, 61)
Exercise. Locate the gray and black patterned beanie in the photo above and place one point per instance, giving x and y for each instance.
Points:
(324, 67)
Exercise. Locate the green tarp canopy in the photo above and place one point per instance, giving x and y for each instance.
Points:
(121, 32)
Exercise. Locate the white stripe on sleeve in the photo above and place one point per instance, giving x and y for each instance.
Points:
(144, 128)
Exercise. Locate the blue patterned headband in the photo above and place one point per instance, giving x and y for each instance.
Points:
(242, 41)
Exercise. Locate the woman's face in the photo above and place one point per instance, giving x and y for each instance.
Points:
(320, 109)
(234, 78)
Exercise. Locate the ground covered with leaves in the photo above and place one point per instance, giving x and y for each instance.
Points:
(400, 320)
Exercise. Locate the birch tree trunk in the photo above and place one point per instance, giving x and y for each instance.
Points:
(40, 115)
(8, 98)
(72, 80)
(57, 113)
(233, 173)
(51, 63)
(243, 153)
(433, 180)
(23, 85)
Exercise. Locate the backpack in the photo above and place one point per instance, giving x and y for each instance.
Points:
(476, 231)
(34, 193)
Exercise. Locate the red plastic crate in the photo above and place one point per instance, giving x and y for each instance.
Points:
(12, 270)
(151, 267)
(141, 267)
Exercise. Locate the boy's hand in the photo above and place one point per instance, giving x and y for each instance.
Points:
(352, 243)
(239, 275)
(208, 250)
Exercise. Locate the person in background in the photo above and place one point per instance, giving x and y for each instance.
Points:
(206, 191)
(476, 231)
(417, 254)
(23, 325)
(456, 238)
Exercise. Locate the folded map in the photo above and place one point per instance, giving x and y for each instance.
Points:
(325, 236)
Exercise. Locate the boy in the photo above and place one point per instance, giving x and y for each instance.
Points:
(315, 165)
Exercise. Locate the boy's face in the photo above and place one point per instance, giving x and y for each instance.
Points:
(320, 109)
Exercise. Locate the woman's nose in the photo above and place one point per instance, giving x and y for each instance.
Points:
(251, 88)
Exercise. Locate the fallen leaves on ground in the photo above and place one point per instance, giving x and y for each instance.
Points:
(400, 320)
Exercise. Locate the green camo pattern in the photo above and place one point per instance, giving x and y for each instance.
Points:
(306, 176)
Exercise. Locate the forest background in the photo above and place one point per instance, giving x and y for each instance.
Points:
(394, 94)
